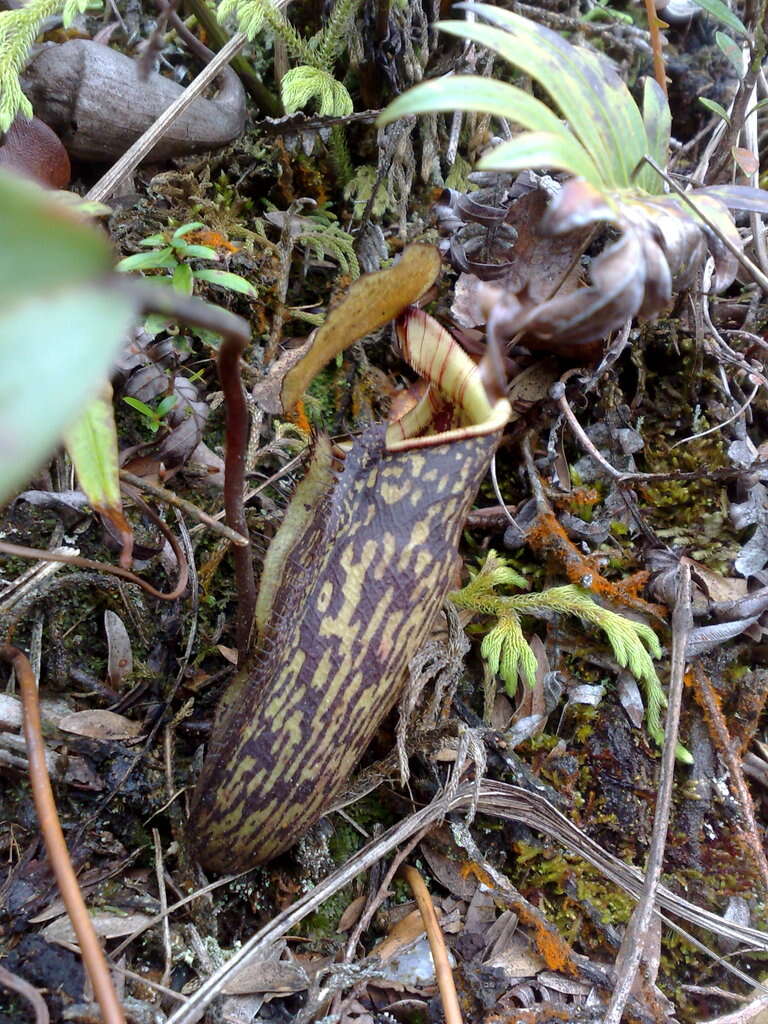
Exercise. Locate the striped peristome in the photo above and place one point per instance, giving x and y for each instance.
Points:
(365, 560)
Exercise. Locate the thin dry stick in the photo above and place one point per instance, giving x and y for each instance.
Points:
(632, 944)
(186, 506)
(756, 273)
(500, 800)
(744, 1014)
(160, 875)
(374, 902)
(713, 713)
(443, 972)
(557, 393)
(28, 992)
(58, 855)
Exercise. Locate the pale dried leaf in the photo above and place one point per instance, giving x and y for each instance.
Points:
(98, 724)
(107, 925)
(120, 654)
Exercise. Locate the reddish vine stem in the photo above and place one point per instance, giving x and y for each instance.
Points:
(21, 551)
(234, 487)
(42, 793)
(28, 992)
(707, 699)
(659, 71)
(235, 335)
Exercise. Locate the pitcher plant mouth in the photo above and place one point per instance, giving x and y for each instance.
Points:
(457, 392)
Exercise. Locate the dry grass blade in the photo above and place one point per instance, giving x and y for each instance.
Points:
(443, 972)
(632, 946)
(497, 799)
(92, 954)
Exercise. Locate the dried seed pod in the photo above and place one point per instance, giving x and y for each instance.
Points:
(97, 102)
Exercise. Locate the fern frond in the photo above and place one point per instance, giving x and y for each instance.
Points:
(18, 31)
(324, 238)
(479, 594)
(327, 44)
(631, 641)
(251, 17)
(304, 83)
(508, 653)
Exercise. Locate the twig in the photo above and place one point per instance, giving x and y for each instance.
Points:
(28, 992)
(744, 1014)
(58, 855)
(445, 983)
(756, 273)
(500, 800)
(185, 901)
(719, 426)
(374, 902)
(217, 37)
(718, 728)
(557, 394)
(632, 946)
(193, 511)
(163, 897)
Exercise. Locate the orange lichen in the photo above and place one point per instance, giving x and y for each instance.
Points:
(469, 869)
(547, 537)
(213, 239)
(298, 415)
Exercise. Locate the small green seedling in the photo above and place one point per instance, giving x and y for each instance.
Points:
(172, 253)
(154, 419)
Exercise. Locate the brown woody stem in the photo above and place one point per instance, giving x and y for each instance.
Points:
(93, 957)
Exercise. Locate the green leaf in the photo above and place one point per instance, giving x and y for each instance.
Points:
(723, 14)
(60, 325)
(592, 98)
(136, 403)
(540, 149)
(657, 119)
(471, 92)
(44, 244)
(166, 404)
(158, 259)
(303, 83)
(55, 353)
(758, 106)
(92, 446)
(183, 279)
(193, 225)
(715, 108)
(732, 51)
(153, 241)
(225, 279)
(196, 252)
